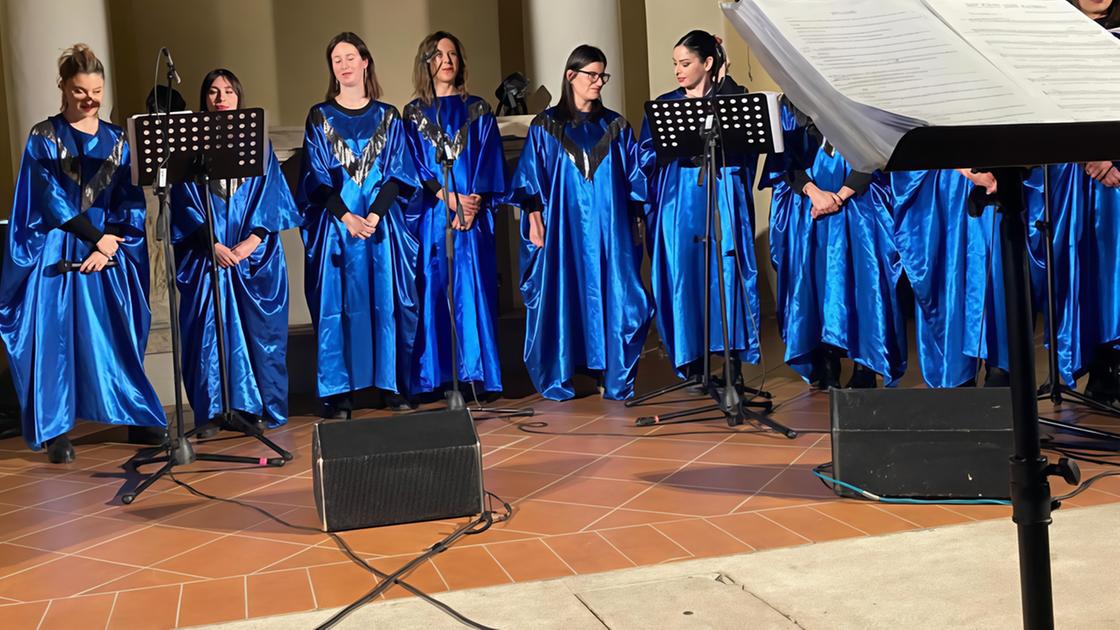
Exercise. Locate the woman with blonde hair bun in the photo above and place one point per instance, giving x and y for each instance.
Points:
(76, 341)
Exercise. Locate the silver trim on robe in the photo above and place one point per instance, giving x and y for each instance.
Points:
(435, 134)
(358, 168)
(70, 164)
(587, 162)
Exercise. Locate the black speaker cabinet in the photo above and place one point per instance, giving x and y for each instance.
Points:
(923, 443)
(397, 469)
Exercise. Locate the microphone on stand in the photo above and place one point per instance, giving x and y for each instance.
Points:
(171, 64)
(69, 266)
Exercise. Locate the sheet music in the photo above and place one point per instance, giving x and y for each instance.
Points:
(895, 55)
(1048, 46)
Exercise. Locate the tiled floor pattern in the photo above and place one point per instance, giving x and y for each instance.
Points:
(72, 556)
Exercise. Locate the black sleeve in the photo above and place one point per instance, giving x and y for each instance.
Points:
(798, 181)
(81, 227)
(336, 206)
(858, 182)
(433, 186)
(200, 238)
(532, 204)
(385, 198)
(259, 232)
(114, 229)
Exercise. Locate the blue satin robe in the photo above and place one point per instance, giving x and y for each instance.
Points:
(584, 299)
(76, 342)
(837, 275)
(254, 295)
(953, 263)
(361, 294)
(472, 133)
(676, 220)
(1086, 217)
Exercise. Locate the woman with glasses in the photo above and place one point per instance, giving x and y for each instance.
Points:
(249, 215)
(677, 227)
(831, 244)
(444, 124)
(361, 257)
(577, 183)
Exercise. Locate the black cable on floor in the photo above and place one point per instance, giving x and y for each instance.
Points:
(534, 426)
(387, 580)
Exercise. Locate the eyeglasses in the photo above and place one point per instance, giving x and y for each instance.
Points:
(595, 76)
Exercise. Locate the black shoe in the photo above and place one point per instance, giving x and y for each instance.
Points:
(397, 402)
(862, 378)
(249, 421)
(209, 430)
(60, 450)
(996, 377)
(147, 436)
(1102, 386)
(827, 370)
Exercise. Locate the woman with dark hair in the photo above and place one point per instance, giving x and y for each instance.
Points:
(947, 233)
(677, 226)
(444, 123)
(831, 244)
(76, 341)
(360, 256)
(1085, 232)
(249, 215)
(577, 181)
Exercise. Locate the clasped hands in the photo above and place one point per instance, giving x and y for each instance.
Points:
(826, 202)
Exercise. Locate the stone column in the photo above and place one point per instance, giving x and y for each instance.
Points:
(553, 29)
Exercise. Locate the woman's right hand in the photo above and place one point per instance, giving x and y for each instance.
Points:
(96, 261)
(536, 229)
(357, 226)
(471, 203)
(225, 256)
(109, 244)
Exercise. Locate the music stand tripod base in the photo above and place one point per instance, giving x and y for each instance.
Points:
(686, 128)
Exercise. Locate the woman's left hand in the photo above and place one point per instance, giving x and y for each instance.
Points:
(245, 248)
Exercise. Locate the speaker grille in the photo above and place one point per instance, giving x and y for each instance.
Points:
(386, 471)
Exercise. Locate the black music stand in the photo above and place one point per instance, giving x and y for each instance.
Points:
(190, 147)
(685, 129)
(1005, 150)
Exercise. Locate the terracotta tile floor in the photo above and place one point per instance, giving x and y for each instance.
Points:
(72, 555)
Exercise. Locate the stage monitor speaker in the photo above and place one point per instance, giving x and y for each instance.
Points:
(923, 443)
(397, 469)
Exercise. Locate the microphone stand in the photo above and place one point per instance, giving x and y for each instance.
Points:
(447, 162)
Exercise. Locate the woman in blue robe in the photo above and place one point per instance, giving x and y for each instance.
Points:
(1085, 234)
(248, 218)
(76, 341)
(832, 246)
(360, 277)
(445, 119)
(1084, 201)
(676, 221)
(946, 230)
(577, 182)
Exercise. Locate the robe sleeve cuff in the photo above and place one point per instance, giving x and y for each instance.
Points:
(336, 206)
(385, 198)
(432, 186)
(858, 181)
(798, 181)
(81, 227)
(259, 232)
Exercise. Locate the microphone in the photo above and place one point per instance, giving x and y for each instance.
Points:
(171, 64)
(69, 266)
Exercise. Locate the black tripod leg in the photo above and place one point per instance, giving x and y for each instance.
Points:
(128, 497)
(657, 393)
(675, 417)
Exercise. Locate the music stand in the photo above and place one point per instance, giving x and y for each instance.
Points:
(684, 129)
(1005, 151)
(195, 147)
